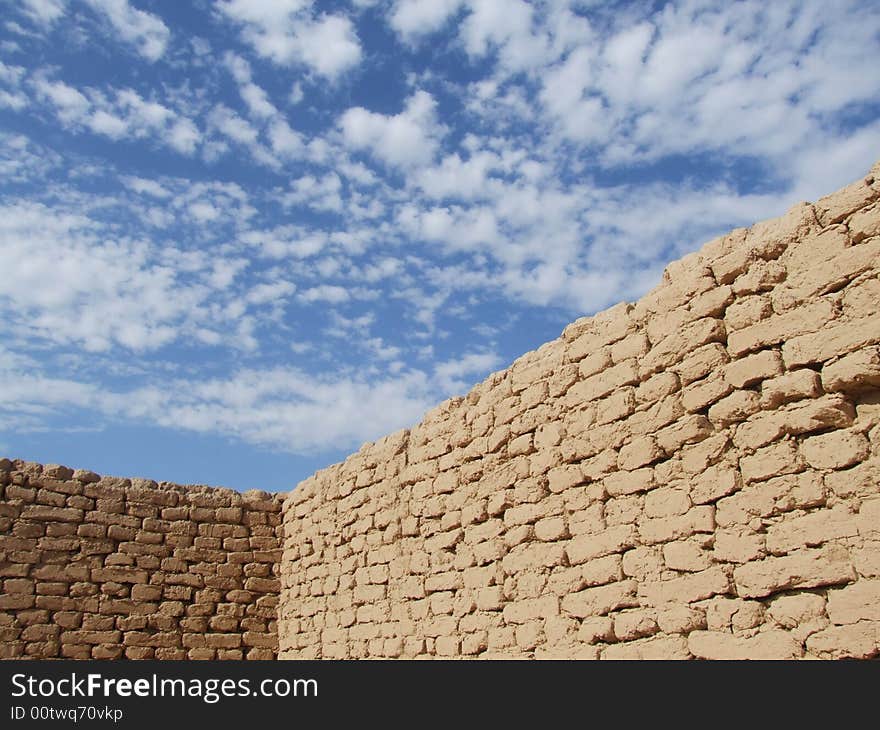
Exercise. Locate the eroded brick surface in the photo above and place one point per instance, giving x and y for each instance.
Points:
(693, 475)
(106, 568)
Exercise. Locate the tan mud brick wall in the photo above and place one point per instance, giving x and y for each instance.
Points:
(107, 568)
(693, 475)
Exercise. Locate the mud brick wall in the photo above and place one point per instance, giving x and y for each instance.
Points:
(693, 475)
(107, 568)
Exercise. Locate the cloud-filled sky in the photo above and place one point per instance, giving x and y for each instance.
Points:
(240, 237)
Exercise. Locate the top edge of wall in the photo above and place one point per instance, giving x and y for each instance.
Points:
(718, 259)
(63, 473)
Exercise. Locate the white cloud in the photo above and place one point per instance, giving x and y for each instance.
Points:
(297, 412)
(456, 227)
(255, 98)
(45, 12)
(330, 45)
(454, 376)
(285, 141)
(265, 13)
(122, 114)
(201, 47)
(184, 136)
(623, 58)
(834, 164)
(287, 32)
(581, 116)
(203, 211)
(228, 123)
(14, 101)
(318, 193)
(281, 408)
(457, 178)
(296, 94)
(213, 201)
(139, 28)
(740, 79)
(146, 113)
(403, 140)
(286, 241)
(380, 349)
(224, 271)
(113, 285)
(379, 269)
(257, 101)
(30, 400)
(23, 161)
(329, 293)
(273, 292)
(104, 290)
(495, 22)
(102, 122)
(413, 18)
(11, 75)
(70, 104)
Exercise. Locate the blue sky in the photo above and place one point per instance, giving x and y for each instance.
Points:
(239, 238)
